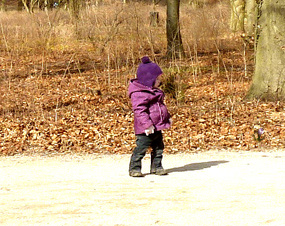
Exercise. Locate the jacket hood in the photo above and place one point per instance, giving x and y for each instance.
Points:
(135, 86)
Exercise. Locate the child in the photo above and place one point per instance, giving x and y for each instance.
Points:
(150, 117)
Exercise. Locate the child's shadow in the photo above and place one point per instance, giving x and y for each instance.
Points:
(195, 166)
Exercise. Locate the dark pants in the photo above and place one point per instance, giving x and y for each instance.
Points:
(143, 142)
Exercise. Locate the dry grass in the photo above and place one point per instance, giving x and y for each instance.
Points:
(116, 31)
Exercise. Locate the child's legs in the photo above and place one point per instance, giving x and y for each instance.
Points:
(143, 142)
(157, 151)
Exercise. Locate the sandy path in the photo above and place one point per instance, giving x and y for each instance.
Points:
(211, 188)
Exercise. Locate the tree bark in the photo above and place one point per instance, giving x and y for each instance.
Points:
(174, 40)
(29, 5)
(3, 7)
(74, 6)
(46, 4)
(250, 17)
(237, 15)
(20, 5)
(269, 76)
(154, 19)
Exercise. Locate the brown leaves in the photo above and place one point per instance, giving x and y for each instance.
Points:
(65, 114)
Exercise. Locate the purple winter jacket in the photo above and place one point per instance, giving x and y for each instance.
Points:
(148, 107)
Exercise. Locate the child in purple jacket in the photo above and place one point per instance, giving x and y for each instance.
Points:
(150, 117)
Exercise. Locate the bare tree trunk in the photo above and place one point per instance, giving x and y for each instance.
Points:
(237, 15)
(26, 4)
(174, 40)
(250, 17)
(154, 19)
(3, 7)
(46, 4)
(20, 5)
(269, 76)
(74, 6)
(29, 5)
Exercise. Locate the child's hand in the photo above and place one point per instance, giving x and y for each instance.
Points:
(150, 130)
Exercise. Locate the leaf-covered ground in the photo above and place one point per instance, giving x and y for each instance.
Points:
(74, 106)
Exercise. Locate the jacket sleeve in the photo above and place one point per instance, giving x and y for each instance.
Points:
(140, 106)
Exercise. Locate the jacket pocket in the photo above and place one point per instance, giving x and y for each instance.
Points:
(154, 113)
(164, 113)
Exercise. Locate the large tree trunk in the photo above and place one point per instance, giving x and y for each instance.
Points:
(174, 40)
(269, 76)
(237, 15)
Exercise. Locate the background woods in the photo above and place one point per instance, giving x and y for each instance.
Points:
(65, 71)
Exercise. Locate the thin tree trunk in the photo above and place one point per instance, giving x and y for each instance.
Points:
(174, 40)
(3, 7)
(74, 6)
(29, 5)
(20, 5)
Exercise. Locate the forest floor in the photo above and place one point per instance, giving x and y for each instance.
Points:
(206, 188)
(70, 104)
